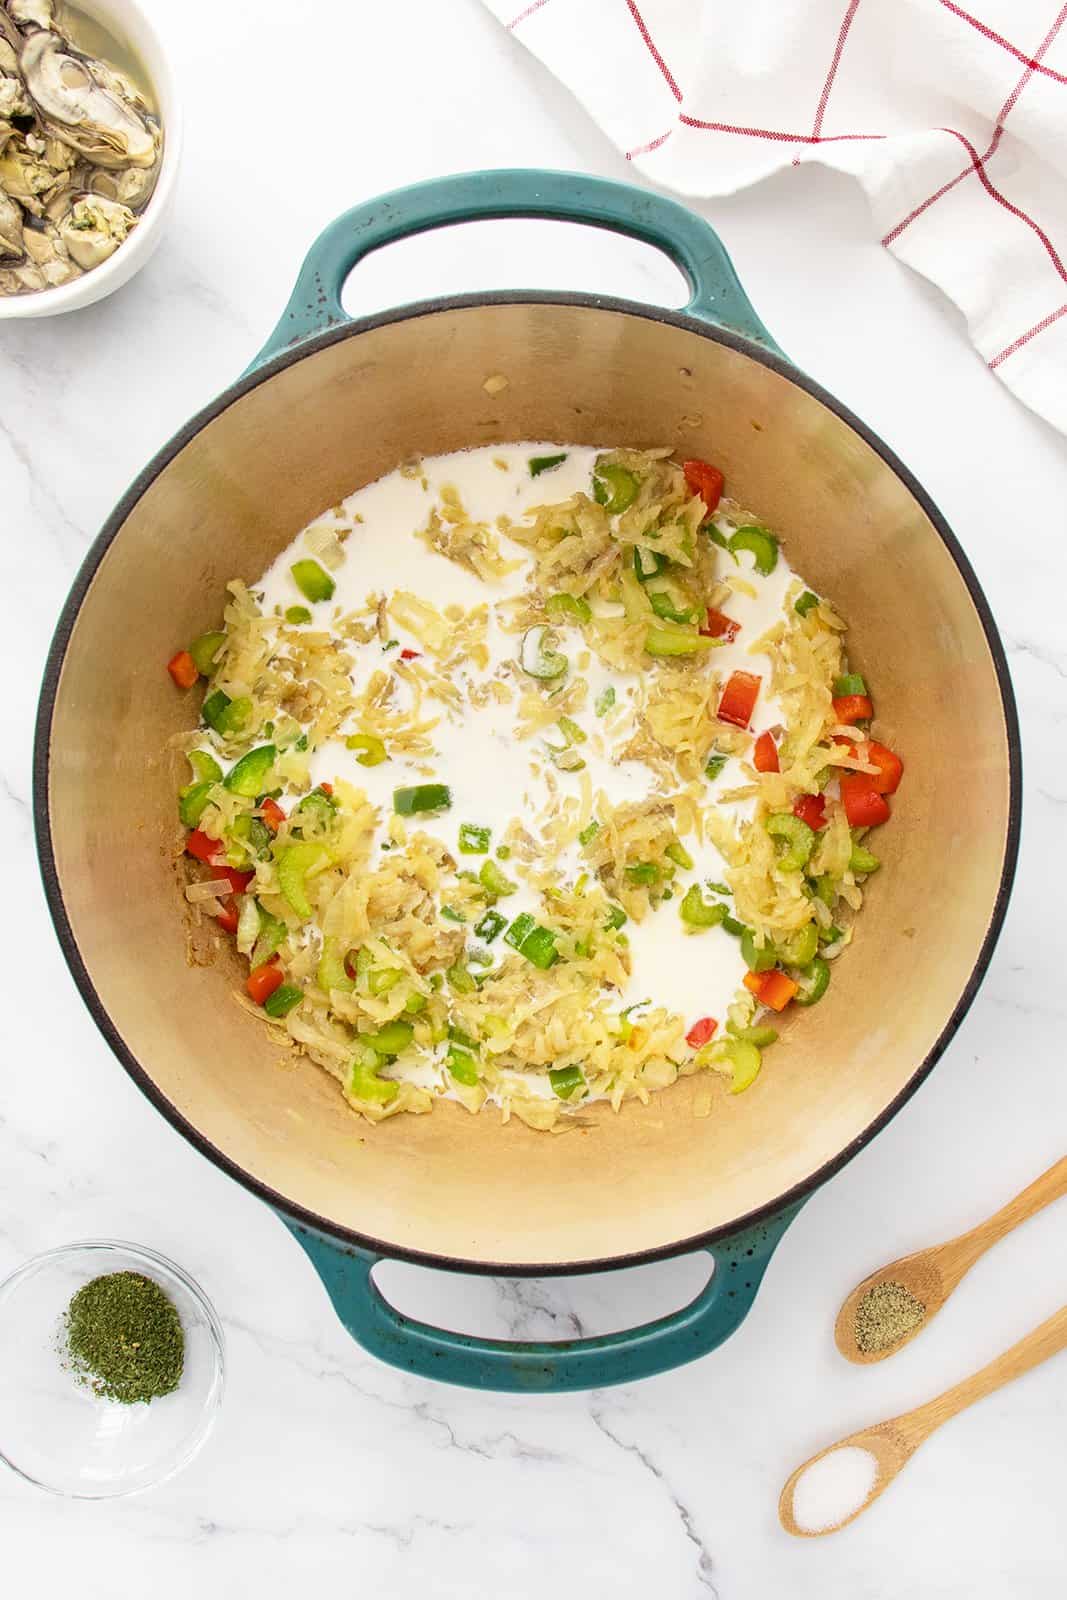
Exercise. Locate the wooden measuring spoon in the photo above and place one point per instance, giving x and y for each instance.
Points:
(931, 1275)
(893, 1443)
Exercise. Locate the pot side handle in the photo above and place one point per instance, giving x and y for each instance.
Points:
(545, 1367)
(690, 242)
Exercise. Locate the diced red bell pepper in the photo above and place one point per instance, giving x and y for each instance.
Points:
(852, 708)
(410, 655)
(183, 669)
(327, 788)
(238, 881)
(890, 767)
(199, 845)
(262, 981)
(226, 917)
(719, 626)
(865, 806)
(811, 808)
(272, 814)
(739, 698)
(774, 988)
(706, 481)
(765, 754)
(701, 1032)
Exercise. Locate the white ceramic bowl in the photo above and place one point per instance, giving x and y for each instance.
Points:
(129, 22)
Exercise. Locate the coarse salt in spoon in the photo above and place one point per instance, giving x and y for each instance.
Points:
(832, 1488)
(892, 1306)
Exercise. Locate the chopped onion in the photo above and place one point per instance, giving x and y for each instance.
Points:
(208, 889)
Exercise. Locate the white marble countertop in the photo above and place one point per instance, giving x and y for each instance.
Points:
(327, 1470)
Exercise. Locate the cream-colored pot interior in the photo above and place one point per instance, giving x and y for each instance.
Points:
(448, 1184)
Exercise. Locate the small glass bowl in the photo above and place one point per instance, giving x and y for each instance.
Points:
(53, 1430)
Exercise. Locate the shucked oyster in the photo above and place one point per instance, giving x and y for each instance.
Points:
(10, 227)
(133, 187)
(93, 229)
(69, 93)
(26, 177)
(49, 255)
(14, 101)
(31, 13)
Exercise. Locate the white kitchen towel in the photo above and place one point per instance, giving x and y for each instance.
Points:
(953, 120)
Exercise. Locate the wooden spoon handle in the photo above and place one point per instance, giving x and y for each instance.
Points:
(1047, 1340)
(961, 1253)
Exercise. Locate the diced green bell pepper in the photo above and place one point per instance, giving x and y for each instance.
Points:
(313, 581)
(715, 764)
(565, 1081)
(283, 1000)
(850, 683)
(422, 797)
(297, 616)
(253, 834)
(226, 716)
(390, 1039)
(204, 767)
(539, 464)
(677, 853)
(604, 701)
(248, 777)
(204, 651)
(272, 932)
(814, 982)
(193, 802)
(462, 1065)
(473, 840)
(649, 563)
(805, 603)
(757, 959)
(644, 873)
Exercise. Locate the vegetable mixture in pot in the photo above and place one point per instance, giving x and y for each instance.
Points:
(531, 775)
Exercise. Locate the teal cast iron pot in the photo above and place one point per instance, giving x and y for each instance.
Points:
(333, 403)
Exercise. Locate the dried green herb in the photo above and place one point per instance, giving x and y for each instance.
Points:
(887, 1312)
(125, 1338)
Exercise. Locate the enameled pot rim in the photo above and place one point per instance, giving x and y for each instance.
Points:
(43, 822)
